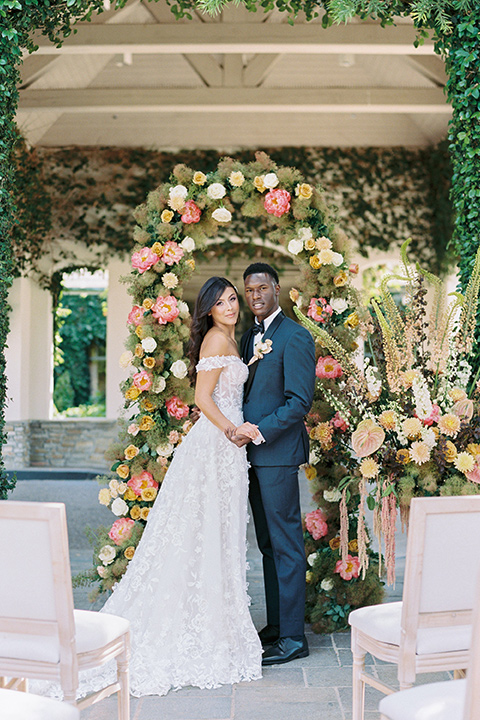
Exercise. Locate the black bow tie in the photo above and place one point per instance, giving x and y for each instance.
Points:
(258, 328)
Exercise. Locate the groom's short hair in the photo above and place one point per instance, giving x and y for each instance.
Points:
(260, 267)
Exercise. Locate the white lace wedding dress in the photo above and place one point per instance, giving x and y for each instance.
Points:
(185, 591)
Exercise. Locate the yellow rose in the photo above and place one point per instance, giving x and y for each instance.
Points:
(334, 543)
(146, 423)
(147, 405)
(473, 449)
(123, 471)
(132, 393)
(149, 494)
(149, 363)
(199, 178)
(129, 552)
(129, 495)
(131, 451)
(309, 244)
(315, 262)
(352, 320)
(403, 456)
(157, 248)
(104, 496)
(135, 512)
(353, 545)
(309, 576)
(450, 451)
(139, 352)
(148, 303)
(340, 279)
(144, 513)
(191, 263)
(236, 178)
(140, 332)
(259, 184)
(166, 216)
(304, 191)
(310, 472)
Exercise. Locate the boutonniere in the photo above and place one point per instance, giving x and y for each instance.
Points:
(262, 349)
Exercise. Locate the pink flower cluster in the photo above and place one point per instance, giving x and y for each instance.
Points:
(338, 422)
(172, 253)
(328, 368)
(316, 523)
(121, 530)
(433, 417)
(177, 408)
(277, 202)
(348, 569)
(142, 380)
(135, 315)
(139, 482)
(144, 259)
(319, 310)
(191, 213)
(165, 309)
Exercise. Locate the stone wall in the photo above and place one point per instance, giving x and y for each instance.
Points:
(59, 443)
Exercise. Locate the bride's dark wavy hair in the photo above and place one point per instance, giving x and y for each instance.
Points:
(201, 320)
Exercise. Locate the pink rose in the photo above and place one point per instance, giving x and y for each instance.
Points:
(433, 417)
(319, 310)
(177, 408)
(165, 309)
(139, 482)
(135, 315)
(348, 569)
(338, 422)
(121, 530)
(328, 367)
(144, 259)
(277, 202)
(172, 253)
(315, 522)
(191, 213)
(142, 380)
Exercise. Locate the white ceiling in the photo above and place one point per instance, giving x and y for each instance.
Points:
(138, 77)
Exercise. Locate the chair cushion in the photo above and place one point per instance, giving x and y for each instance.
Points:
(25, 706)
(382, 622)
(435, 701)
(93, 630)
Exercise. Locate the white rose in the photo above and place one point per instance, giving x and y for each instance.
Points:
(295, 246)
(339, 305)
(113, 485)
(107, 554)
(164, 449)
(178, 191)
(222, 215)
(305, 233)
(188, 244)
(125, 359)
(159, 385)
(119, 506)
(270, 180)
(179, 369)
(177, 197)
(326, 584)
(311, 559)
(313, 458)
(216, 191)
(149, 344)
(337, 259)
(183, 310)
(332, 495)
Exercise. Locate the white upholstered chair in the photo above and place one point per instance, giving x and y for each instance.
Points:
(450, 700)
(430, 629)
(24, 706)
(41, 635)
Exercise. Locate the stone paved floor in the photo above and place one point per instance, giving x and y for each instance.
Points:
(317, 687)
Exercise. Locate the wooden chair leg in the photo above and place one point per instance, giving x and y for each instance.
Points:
(3, 682)
(459, 674)
(123, 695)
(358, 686)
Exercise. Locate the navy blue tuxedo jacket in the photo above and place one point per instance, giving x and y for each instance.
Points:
(279, 393)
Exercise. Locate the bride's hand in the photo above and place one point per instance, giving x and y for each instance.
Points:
(248, 429)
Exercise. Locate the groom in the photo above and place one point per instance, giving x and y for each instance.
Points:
(277, 395)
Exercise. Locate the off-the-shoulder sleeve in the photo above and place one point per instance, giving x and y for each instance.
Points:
(215, 362)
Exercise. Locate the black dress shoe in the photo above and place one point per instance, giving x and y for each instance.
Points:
(269, 634)
(284, 650)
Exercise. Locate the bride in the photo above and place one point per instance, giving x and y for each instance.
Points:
(185, 591)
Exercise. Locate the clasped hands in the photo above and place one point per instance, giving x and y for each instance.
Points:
(241, 435)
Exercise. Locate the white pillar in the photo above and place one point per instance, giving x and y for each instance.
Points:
(29, 352)
(119, 306)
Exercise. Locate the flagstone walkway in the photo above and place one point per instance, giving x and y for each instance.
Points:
(315, 688)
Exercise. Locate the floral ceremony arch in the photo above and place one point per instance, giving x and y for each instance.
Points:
(178, 218)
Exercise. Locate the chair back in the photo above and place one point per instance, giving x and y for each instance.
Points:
(36, 599)
(440, 575)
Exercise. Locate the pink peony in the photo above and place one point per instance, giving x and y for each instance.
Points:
(135, 315)
(367, 438)
(319, 310)
(277, 202)
(144, 259)
(165, 309)
(474, 475)
(328, 367)
(348, 569)
(139, 482)
(172, 253)
(191, 213)
(338, 422)
(177, 408)
(121, 530)
(316, 524)
(142, 380)
(433, 417)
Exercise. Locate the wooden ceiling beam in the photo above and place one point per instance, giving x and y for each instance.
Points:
(284, 100)
(214, 38)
